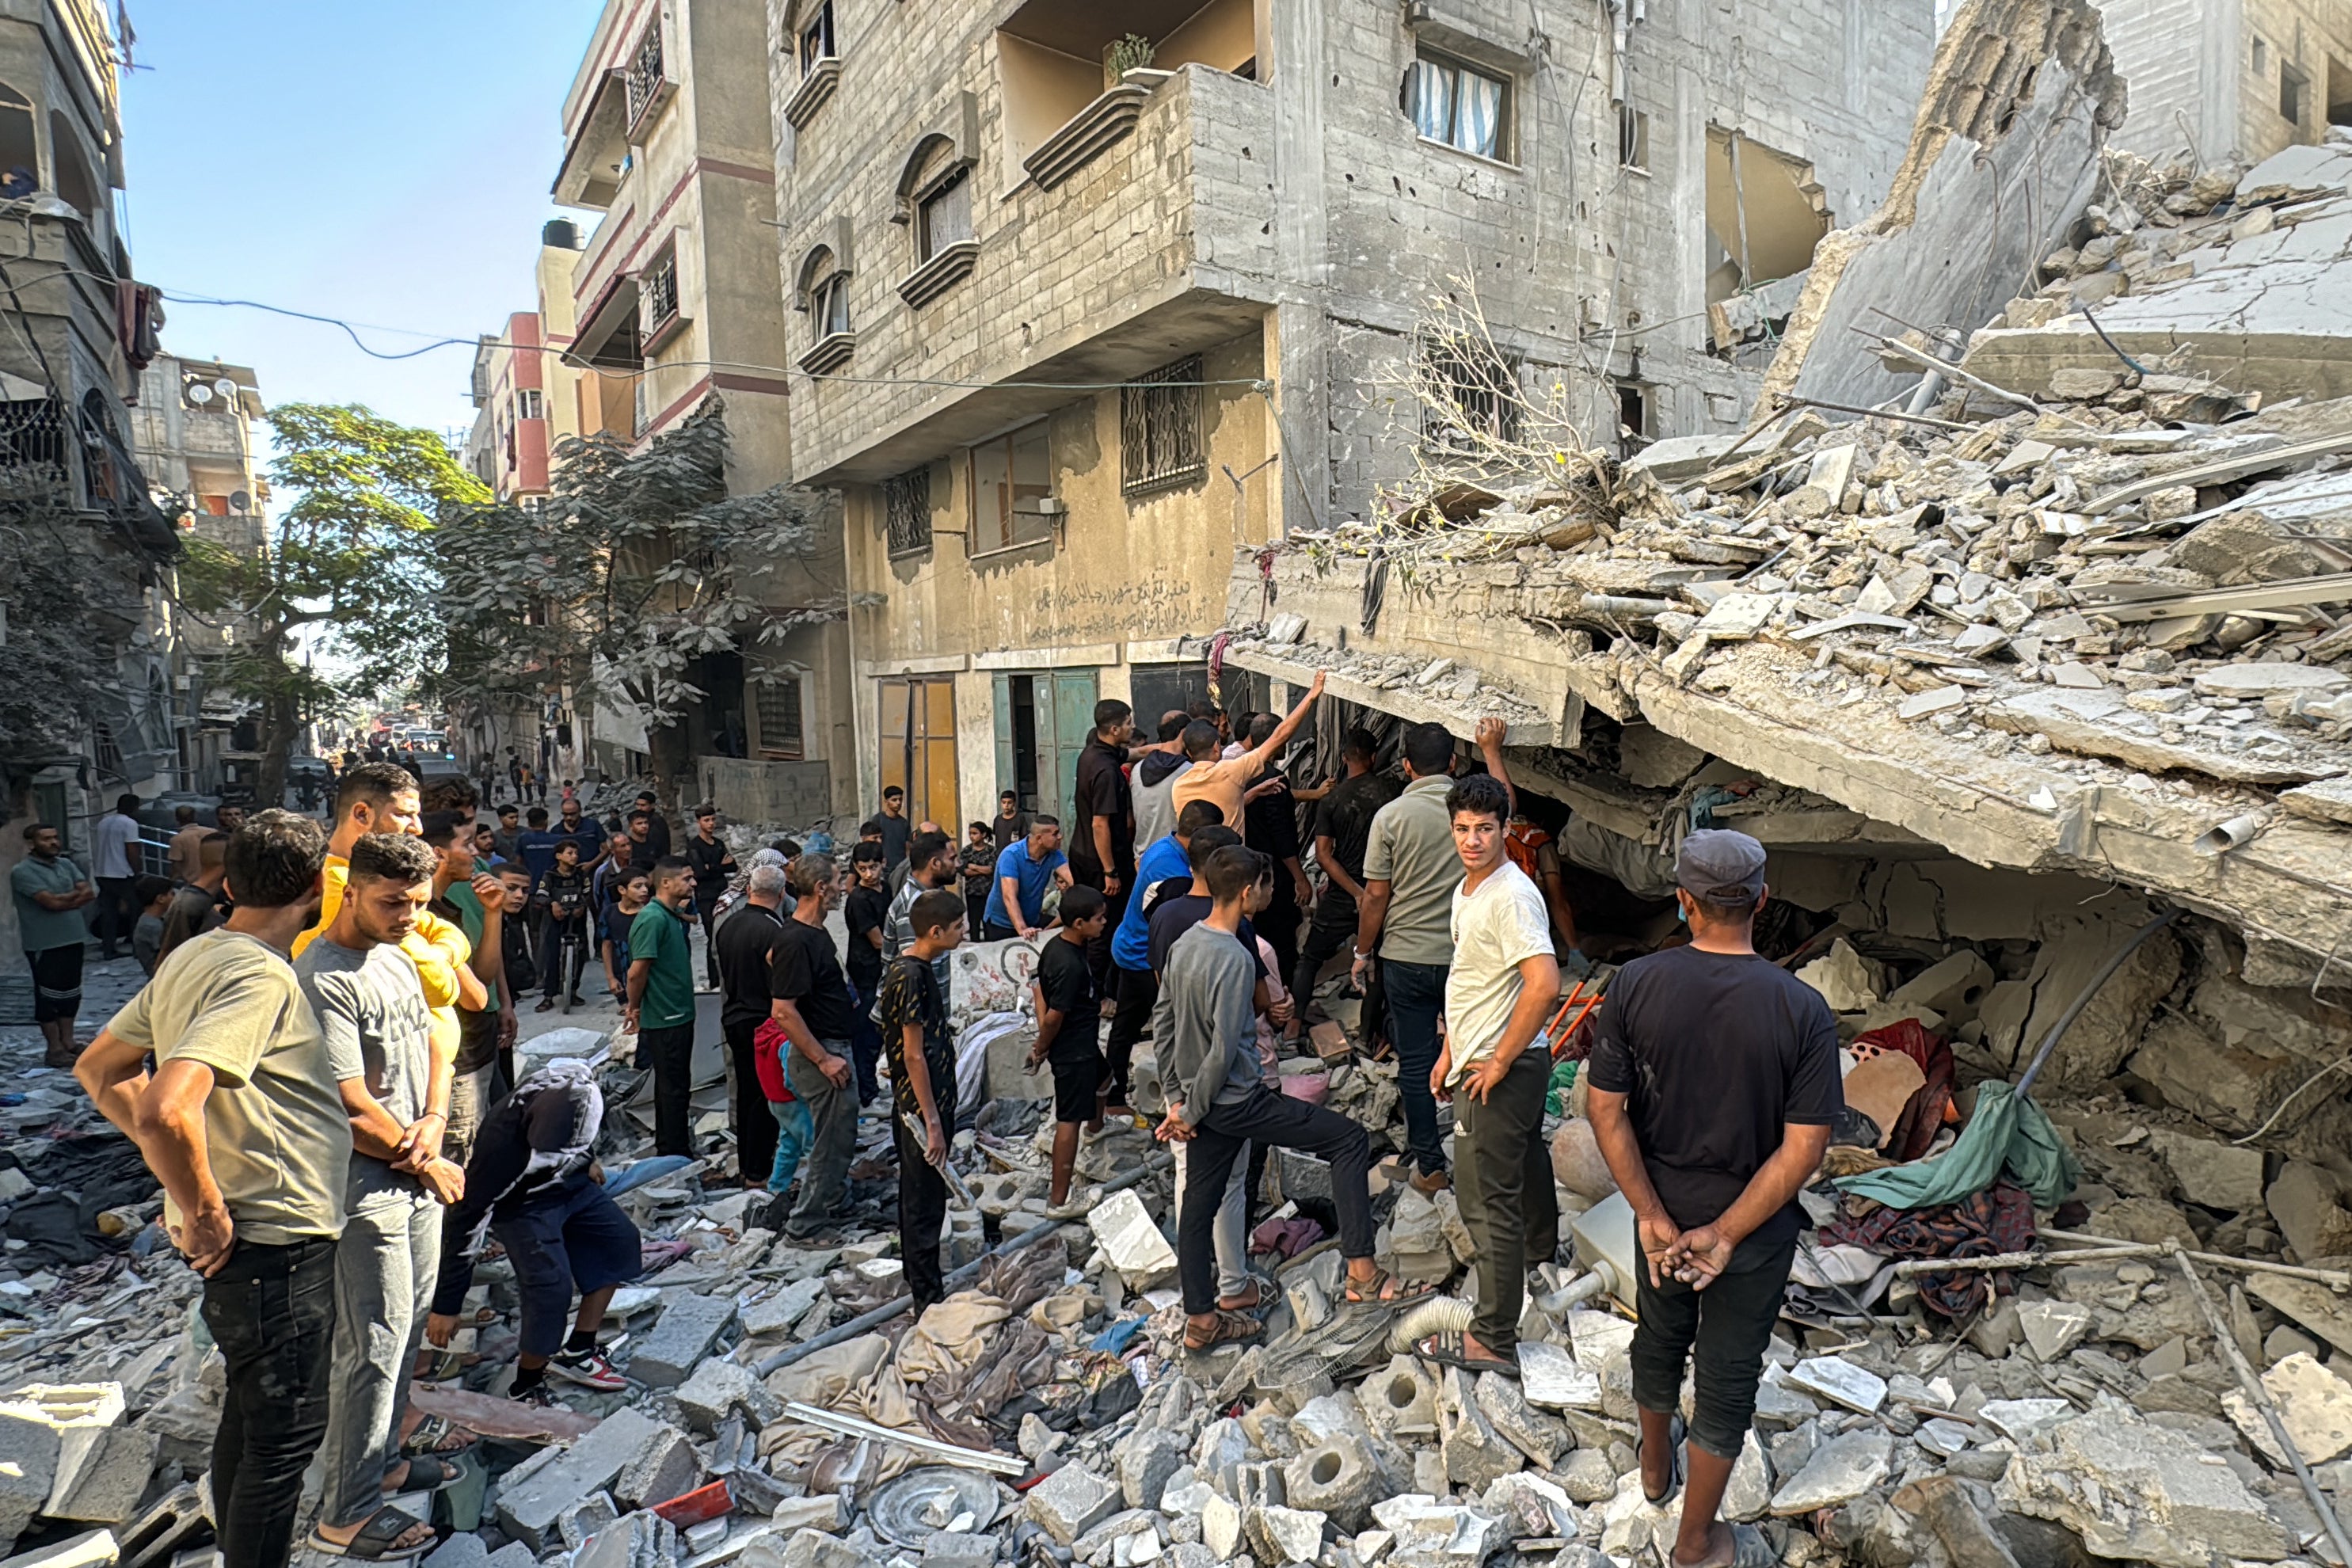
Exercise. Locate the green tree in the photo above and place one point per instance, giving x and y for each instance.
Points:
(638, 563)
(61, 598)
(350, 558)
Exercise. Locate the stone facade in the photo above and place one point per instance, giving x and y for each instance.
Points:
(2216, 79)
(1258, 198)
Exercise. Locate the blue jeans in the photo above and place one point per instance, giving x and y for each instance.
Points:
(794, 1134)
(1416, 996)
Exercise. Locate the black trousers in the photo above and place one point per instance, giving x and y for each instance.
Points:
(670, 1053)
(1278, 1121)
(975, 914)
(1331, 932)
(1722, 1331)
(271, 1310)
(1099, 950)
(709, 905)
(755, 1124)
(1138, 993)
(552, 966)
(1279, 924)
(1502, 1178)
(115, 916)
(922, 1206)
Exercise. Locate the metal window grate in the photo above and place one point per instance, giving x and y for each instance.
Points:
(644, 73)
(1159, 429)
(779, 716)
(32, 435)
(1470, 396)
(657, 294)
(907, 510)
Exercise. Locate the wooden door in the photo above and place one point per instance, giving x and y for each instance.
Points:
(918, 736)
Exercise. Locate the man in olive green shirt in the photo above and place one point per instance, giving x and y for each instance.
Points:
(661, 1001)
(1411, 869)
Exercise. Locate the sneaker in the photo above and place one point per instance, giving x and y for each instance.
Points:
(1082, 1201)
(589, 1369)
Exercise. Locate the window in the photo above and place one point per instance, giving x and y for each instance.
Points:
(1010, 476)
(1470, 395)
(2262, 58)
(1633, 137)
(1159, 429)
(20, 154)
(829, 304)
(778, 708)
(1448, 101)
(645, 74)
(76, 182)
(1633, 419)
(529, 404)
(2293, 86)
(816, 38)
(943, 216)
(907, 510)
(657, 300)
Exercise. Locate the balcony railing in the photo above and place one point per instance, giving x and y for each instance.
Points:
(658, 317)
(648, 83)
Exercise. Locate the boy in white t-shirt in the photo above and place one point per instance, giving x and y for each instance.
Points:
(1502, 984)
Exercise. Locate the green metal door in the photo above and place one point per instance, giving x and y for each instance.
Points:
(1074, 721)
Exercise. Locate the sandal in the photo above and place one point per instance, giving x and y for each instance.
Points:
(1230, 1329)
(427, 1473)
(1259, 1299)
(375, 1542)
(441, 1366)
(432, 1437)
(1675, 1432)
(1450, 1347)
(1372, 1292)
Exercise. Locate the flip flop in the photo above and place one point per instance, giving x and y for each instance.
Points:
(1675, 1434)
(1230, 1328)
(374, 1544)
(1450, 1347)
(1368, 1292)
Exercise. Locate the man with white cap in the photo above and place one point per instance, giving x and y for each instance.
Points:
(1714, 1082)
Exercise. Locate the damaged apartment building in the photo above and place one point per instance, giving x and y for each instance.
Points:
(2053, 645)
(1082, 298)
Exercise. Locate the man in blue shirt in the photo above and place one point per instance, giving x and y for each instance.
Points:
(1167, 859)
(1016, 904)
(536, 846)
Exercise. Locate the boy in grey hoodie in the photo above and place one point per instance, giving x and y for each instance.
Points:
(1219, 1102)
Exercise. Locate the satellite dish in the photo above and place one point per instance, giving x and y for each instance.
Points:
(226, 388)
(238, 501)
(199, 394)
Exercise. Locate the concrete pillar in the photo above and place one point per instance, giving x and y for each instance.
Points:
(1302, 263)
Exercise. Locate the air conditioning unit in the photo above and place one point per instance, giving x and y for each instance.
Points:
(1045, 506)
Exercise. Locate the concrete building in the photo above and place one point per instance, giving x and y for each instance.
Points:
(530, 397)
(1071, 318)
(2217, 79)
(80, 327)
(677, 299)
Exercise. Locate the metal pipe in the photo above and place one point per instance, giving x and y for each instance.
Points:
(2066, 1019)
(963, 1276)
(2259, 1396)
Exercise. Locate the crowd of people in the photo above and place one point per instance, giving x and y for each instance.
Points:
(322, 1070)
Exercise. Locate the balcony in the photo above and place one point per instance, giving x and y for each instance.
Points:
(1155, 246)
(659, 320)
(596, 150)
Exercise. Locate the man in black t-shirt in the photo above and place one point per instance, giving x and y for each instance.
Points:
(1714, 1082)
(708, 857)
(867, 915)
(1102, 826)
(745, 951)
(810, 1001)
(896, 829)
(914, 1017)
(1069, 1002)
(1010, 822)
(1270, 826)
(1342, 824)
(657, 833)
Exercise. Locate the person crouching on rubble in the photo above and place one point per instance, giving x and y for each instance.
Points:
(1219, 1102)
(1714, 1083)
(533, 1181)
(913, 1014)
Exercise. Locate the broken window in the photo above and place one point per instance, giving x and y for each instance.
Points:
(1159, 429)
(1463, 108)
(816, 38)
(777, 707)
(1470, 395)
(1633, 419)
(1766, 212)
(1632, 138)
(1012, 477)
(2295, 86)
(829, 303)
(907, 510)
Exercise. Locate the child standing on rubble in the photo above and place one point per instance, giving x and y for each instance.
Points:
(914, 1018)
(1069, 1016)
(533, 1181)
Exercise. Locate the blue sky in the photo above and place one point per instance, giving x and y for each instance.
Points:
(380, 160)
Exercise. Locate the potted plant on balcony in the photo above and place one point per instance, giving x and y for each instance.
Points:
(1130, 60)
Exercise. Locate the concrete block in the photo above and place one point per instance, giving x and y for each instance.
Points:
(583, 1519)
(777, 1313)
(527, 1512)
(719, 1386)
(811, 1548)
(666, 1468)
(1587, 1477)
(1131, 1240)
(953, 1548)
(464, 1548)
(90, 1549)
(1220, 1526)
(1538, 1436)
(2133, 1490)
(1476, 1454)
(1146, 1461)
(1841, 1470)
(28, 1470)
(2315, 1403)
(1399, 1400)
(1285, 1535)
(103, 1475)
(169, 1523)
(688, 1330)
(1337, 1478)
(1071, 1501)
(1531, 1505)
(513, 1554)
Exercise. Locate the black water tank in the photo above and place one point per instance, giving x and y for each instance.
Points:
(560, 232)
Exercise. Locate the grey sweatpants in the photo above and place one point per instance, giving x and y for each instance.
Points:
(832, 1117)
(385, 1269)
(1232, 1235)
